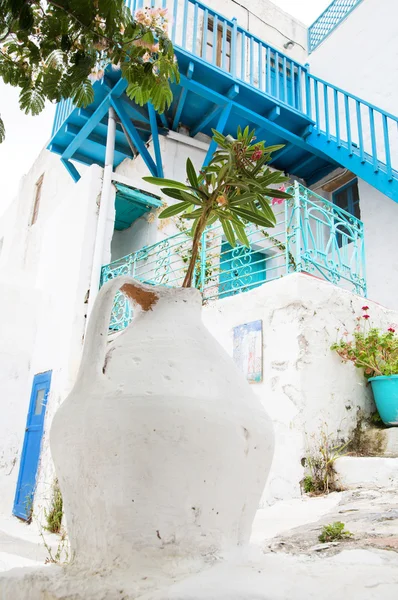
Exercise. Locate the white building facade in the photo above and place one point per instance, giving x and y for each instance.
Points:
(65, 235)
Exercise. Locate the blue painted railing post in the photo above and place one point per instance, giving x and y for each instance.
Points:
(287, 238)
(234, 49)
(203, 262)
(297, 225)
(308, 107)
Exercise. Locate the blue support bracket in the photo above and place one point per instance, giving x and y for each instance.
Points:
(300, 164)
(134, 135)
(73, 172)
(274, 113)
(155, 139)
(87, 129)
(182, 98)
(281, 152)
(222, 121)
(231, 94)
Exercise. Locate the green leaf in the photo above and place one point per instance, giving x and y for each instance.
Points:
(267, 210)
(84, 95)
(171, 211)
(241, 234)
(254, 217)
(276, 194)
(31, 100)
(2, 131)
(166, 183)
(193, 180)
(229, 232)
(191, 198)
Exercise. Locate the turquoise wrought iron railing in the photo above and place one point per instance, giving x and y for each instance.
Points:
(331, 17)
(312, 235)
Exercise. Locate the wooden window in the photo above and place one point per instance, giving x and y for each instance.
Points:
(216, 39)
(36, 204)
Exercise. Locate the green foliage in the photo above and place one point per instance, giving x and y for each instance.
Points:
(234, 189)
(320, 461)
(54, 516)
(308, 484)
(370, 349)
(2, 130)
(334, 532)
(57, 49)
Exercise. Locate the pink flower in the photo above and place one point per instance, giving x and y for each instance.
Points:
(365, 307)
(391, 329)
(278, 200)
(257, 154)
(163, 12)
(147, 57)
(366, 316)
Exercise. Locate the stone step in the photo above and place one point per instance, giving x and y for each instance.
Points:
(380, 442)
(371, 472)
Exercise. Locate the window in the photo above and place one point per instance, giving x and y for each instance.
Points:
(347, 198)
(215, 46)
(36, 204)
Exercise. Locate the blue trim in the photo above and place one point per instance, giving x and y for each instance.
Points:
(135, 137)
(334, 14)
(155, 140)
(222, 121)
(31, 449)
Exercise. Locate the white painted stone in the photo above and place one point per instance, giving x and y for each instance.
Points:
(305, 387)
(168, 448)
(391, 442)
(367, 472)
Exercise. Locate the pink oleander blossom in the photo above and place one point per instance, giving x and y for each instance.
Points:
(279, 200)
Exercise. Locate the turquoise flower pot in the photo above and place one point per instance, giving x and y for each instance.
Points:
(385, 392)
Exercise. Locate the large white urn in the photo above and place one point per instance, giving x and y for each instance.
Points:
(162, 449)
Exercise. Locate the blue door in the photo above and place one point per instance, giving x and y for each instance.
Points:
(241, 269)
(23, 502)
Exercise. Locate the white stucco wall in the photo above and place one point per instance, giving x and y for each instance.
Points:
(361, 54)
(305, 386)
(44, 279)
(147, 230)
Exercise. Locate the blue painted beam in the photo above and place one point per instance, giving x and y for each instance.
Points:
(281, 152)
(274, 113)
(99, 140)
(73, 172)
(182, 98)
(87, 129)
(300, 164)
(134, 135)
(155, 139)
(222, 121)
(232, 93)
(164, 120)
(251, 116)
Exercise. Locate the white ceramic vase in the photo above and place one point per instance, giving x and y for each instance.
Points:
(162, 448)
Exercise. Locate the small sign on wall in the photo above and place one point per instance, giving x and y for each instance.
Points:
(248, 350)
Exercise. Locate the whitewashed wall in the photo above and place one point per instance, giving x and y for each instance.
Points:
(44, 278)
(361, 57)
(147, 230)
(305, 386)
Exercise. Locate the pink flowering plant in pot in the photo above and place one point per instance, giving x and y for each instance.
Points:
(375, 351)
(234, 189)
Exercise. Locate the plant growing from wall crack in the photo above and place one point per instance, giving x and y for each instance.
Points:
(234, 189)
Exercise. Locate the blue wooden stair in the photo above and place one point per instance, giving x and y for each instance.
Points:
(229, 77)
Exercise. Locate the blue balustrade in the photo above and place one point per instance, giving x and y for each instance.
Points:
(311, 236)
(331, 17)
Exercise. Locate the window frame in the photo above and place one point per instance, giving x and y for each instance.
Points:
(220, 33)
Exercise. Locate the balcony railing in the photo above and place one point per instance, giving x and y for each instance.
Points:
(331, 17)
(343, 123)
(312, 235)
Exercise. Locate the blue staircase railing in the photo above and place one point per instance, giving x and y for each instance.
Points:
(331, 17)
(349, 130)
(311, 236)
